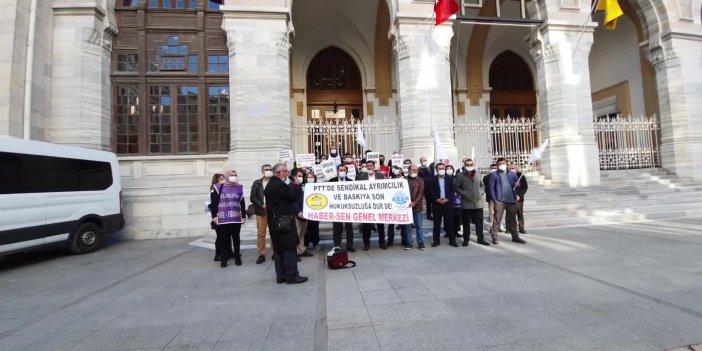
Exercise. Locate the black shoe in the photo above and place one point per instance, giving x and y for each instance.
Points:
(454, 244)
(518, 240)
(382, 246)
(388, 245)
(223, 264)
(458, 235)
(237, 260)
(350, 249)
(366, 247)
(306, 254)
(218, 258)
(430, 218)
(435, 244)
(522, 231)
(260, 259)
(421, 247)
(494, 241)
(296, 280)
(408, 247)
(280, 280)
(465, 242)
(483, 242)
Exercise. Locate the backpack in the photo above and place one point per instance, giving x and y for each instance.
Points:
(339, 259)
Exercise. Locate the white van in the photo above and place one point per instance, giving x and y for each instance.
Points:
(53, 193)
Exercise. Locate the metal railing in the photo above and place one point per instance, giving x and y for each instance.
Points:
(511, 138)
(382, 135)
(627, 142)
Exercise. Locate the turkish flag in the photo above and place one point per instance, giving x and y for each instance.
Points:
(444, 9)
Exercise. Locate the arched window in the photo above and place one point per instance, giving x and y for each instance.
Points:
(512, 86)
(333, 69)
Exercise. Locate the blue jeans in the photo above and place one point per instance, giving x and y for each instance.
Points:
(403, 233)
(407, 232)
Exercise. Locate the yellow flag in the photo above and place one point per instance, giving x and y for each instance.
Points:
(612, 12)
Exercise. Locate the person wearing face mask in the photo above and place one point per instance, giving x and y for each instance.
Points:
(488, 195)
(395, 174)
(371, 174)
(259, 201)
(456, 205)
(502, 185)
(298, 179)
(279, 203)
(522, 187)
(338, 227)
(334, 156)
(312, 234)
(416, 187)
(441, 191)
(469, 185)
(227, 209)
(405, 169)
(426, 174)
(217, 179)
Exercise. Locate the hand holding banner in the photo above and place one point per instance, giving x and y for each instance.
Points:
(304, 160)
(287, 157)
(375, 157)
(329, 169)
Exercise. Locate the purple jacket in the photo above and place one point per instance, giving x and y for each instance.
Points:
(496, 185)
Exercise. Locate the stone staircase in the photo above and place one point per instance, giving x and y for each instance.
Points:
(622, 196)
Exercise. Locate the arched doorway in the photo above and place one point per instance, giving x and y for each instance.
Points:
(334, 97)
(512, 86)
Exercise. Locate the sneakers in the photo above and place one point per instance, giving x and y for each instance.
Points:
(421, 247)
(408, 247)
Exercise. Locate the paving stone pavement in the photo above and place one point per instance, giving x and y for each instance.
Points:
(634, 286)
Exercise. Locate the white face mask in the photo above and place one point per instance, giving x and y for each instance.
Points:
(310, 180)
(502, 167)
(287, 180)
(342, 174)
(396, 171)
(513, 170)
(300, 180)
(442, 172)
(366, 170)
(493, 170)
(333, 152)
(348, 160)
(233, 179)
(424, 163)
(449, 172)
(268, 174)
(470, 168)
(413, 175)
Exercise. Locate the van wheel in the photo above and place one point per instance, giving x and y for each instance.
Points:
(86, 239)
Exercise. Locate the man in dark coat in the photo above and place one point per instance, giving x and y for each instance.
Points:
(426, 174)
(488, 195)
(522, 187)
(371, 174)
(441, 192)
(279, 202)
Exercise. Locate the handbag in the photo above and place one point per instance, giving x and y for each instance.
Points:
(283, 223)
(251, 210)
(339, 259)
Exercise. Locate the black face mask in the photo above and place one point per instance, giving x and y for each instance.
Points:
(382, 162)
(332, 154)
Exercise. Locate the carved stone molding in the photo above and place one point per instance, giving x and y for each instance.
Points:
(283, 45)
(399, 46)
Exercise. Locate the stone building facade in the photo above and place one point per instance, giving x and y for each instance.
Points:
(180, 89)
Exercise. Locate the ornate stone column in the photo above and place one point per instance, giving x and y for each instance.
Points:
(80, 85)
(677, 60)
(565, 104)
(424, 87)
(259, 79)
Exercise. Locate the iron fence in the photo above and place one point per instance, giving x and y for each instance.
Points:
(627, 142)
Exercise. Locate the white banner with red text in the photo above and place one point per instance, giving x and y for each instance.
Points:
(370, 201)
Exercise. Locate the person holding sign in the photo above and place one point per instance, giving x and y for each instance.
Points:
(371, 174)
(395, 174)
(281, 224)
(338, 227)
(226, 207)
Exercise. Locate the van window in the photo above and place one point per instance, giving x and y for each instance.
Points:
(24, 173)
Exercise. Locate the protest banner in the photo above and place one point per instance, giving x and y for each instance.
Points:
(374, 156)
(370, 201)
(405, 169)
(287, 157)
(329, 169)
(229, 209)
(351, 172)
(304, 160)
(319, 172)
(396, 160)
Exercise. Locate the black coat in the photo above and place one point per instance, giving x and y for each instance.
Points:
(434, 192)
(488, 193)
(280, 199)
(523, 186)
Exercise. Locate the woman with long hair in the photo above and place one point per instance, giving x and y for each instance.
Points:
(217, 178)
